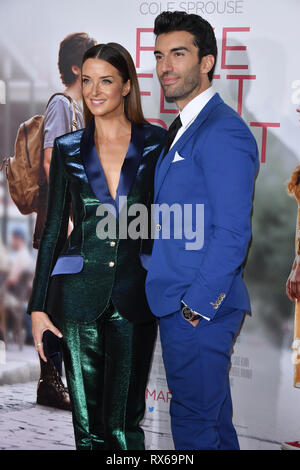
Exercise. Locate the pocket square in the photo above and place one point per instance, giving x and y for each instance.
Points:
(177, 157)
(68, 264)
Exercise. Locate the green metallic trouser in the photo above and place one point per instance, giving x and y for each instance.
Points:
(107, 364)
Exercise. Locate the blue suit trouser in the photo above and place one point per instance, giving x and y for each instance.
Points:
(197, 361)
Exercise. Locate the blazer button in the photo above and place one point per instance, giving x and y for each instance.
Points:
(112, 243)
(158, 227)
(111, 264)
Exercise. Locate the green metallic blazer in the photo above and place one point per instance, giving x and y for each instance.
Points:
(76, 277)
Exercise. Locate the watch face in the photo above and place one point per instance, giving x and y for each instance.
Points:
(187, 313)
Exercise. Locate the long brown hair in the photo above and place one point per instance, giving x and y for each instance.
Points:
(119, 57)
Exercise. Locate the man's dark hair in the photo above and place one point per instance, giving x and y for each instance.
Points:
(202, 31)
(71, 52)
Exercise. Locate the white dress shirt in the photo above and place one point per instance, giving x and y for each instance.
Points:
(188, 116)
(192, 109)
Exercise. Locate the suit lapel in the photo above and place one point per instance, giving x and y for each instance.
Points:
(163, 164)
(92, 165)
(94, 170)
(131, 163)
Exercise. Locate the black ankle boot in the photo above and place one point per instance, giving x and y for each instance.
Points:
(50, 388)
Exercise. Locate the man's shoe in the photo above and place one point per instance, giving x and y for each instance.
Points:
(294, 445)
(50, 388)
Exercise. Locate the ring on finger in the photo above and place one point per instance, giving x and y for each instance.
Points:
(38, 345)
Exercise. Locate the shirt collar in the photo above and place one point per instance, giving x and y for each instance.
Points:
(193, 108)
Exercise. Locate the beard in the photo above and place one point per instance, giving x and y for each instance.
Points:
(188, 84)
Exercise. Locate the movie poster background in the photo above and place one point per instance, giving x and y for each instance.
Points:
(258, 74)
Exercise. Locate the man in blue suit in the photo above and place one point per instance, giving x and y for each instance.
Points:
(197, 290)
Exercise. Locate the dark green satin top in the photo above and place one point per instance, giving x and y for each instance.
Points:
(76, 277)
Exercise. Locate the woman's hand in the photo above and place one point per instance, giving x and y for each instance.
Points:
(40, 323)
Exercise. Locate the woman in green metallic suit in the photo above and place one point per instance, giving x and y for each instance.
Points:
(89, 287)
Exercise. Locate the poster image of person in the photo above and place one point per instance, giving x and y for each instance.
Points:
(63, 114)
(293, 290)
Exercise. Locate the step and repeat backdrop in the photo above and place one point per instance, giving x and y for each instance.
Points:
(258, 74)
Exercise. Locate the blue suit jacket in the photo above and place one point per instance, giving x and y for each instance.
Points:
(218, 169)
